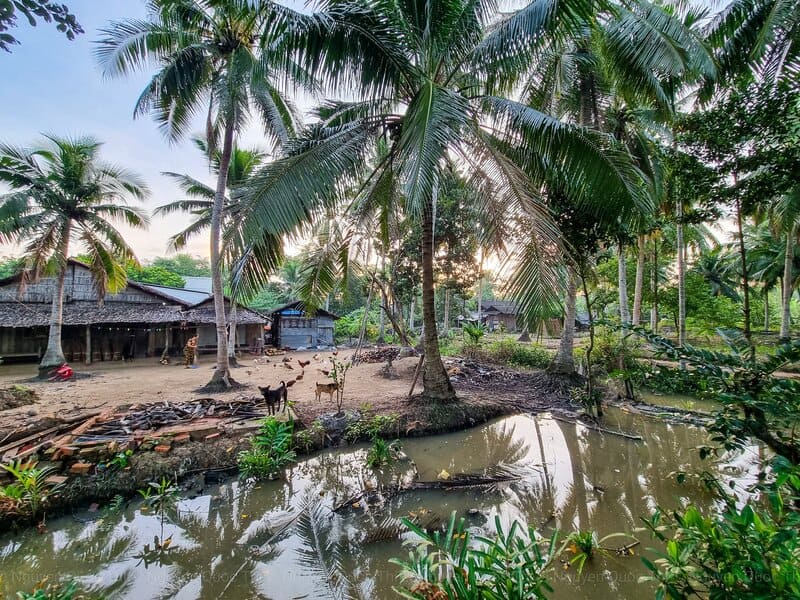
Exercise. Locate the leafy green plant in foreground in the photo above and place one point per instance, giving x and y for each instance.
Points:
(55, 591)
(745, 552)
(31, 489)
(448, 566)
(755, 403)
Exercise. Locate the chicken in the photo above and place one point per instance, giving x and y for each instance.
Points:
(288, 366)
(289, 383)
(316, 356)
(303, 364)
(286, 359)
(324, 372)
(300, 377)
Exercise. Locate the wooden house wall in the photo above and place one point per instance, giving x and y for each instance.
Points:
(297, 331)
(27, 342)
(508, 321)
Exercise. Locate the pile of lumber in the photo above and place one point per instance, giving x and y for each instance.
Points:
(376, 355)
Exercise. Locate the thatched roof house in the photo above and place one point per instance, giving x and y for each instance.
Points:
(139, 320)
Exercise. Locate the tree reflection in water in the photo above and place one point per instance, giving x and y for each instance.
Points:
(249, 541)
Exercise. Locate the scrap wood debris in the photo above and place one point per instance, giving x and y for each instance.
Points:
(153, 416)
(115, 428)
(472, 372)
(377, 355)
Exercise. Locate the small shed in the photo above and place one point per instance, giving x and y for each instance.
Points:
(497, 313)
(294, 327)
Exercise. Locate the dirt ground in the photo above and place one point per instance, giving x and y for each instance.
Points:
(105, 385)
(109, 384)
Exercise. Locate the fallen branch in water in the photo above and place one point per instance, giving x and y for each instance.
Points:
(454, 482)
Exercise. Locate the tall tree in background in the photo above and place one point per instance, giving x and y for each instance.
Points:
(626, 59)
(61, 192)
(426, 77)
(749, 137)
(220, 57)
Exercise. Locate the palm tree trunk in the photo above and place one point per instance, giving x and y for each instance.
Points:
(54, 354)
(232, 337)
(446, 320)
(435, 381)
(786, 296)
(681, 277)
(564, 361)
(622, 276)
(638, 285)
(745, 277)
(590, 394)
(654, 283)
(221, 376)
(412, 308)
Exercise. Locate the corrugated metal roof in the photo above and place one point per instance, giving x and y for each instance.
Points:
(197, 284)
(188, 297)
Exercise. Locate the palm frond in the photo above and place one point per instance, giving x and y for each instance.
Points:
(319, 553)
(435, 119)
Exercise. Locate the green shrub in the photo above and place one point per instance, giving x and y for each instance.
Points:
(474, 332)
(307, 438)
(55, 591)
(743, 552)
(270, 450)
(449, 565)
(613, 353)
(31, 489)
(511, 352)
(368, 428)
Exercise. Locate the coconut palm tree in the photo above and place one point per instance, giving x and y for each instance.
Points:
(200, 203)
(624, 63)
(224, 58)
(61, 192)
(788, 213)
(200, 197)
(773, 253)
(758, 38)
(426, 78)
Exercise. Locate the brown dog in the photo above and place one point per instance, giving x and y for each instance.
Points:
(326, 388)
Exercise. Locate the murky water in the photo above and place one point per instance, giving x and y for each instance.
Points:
(679, 401)
(236, 541)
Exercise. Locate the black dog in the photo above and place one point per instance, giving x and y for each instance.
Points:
(273, 397)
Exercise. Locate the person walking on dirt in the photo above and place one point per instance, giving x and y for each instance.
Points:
(189, 352)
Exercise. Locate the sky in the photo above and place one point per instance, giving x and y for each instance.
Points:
(49, 84)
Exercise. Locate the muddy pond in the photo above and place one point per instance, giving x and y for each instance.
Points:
(238, 541)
